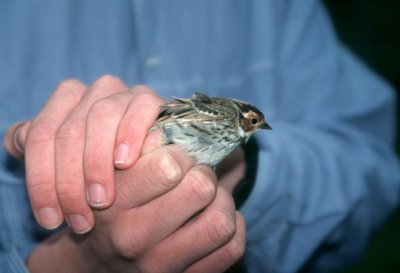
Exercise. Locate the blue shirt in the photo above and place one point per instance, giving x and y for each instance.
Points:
(327, 173)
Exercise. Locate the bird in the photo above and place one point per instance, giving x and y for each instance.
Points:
(208, 128)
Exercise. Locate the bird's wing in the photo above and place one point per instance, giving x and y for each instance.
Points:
(201, 108)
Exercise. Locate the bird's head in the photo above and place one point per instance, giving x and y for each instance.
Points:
(250, 119)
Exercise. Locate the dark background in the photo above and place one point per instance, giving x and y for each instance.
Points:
(371, 28)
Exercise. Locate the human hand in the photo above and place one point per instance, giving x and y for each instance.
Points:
(169, 216)
(69, 148)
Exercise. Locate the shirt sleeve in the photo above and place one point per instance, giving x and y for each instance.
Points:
(327, 172)
(18, 231)
(11, 262)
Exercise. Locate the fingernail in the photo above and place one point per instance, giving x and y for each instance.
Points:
(48, 218)
(78, 223)
(97, 195)
(170, 166)
(16, 140)
(122, 154)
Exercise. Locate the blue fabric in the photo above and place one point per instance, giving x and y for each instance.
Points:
(327, 176)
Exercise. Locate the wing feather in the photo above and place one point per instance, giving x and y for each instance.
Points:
(200, 108)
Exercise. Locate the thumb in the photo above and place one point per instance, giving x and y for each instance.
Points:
(14, 140)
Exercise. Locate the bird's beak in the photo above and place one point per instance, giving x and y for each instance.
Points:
(265, 126)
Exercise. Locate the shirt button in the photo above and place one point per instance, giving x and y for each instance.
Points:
(153, 62)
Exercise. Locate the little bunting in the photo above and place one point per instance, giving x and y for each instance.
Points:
(208, 128)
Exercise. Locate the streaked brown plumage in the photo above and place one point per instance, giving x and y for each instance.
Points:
(208, 128)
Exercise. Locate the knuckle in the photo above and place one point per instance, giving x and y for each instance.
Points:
(94, 164)
(146, 96)
(69, 91)
(35, 181)
(123, 246)
(103, 108)
(67, 192)
(143, 88)
(70, 130)
(202, 185)
(72, 201)
(234, 250)
(64, 189)
(221, 228)
(39, 191)
(68, 85)
(107, 81)
(41, 131)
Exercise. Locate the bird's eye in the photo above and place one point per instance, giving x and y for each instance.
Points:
(254, 121)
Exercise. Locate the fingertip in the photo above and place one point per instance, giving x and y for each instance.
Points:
(97, 196)
(79, 223)
(124, 158)
(49, 217)
(126, 154)
(109, 82)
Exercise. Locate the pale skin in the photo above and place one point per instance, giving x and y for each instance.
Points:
(157, 213)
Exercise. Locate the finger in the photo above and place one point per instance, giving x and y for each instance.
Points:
(101, 130)
(206, 233)
(14, 141)
(226, 256)
(70, 143)
(163, 215)
(40, 154)
(153, 175)
(133, 128)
